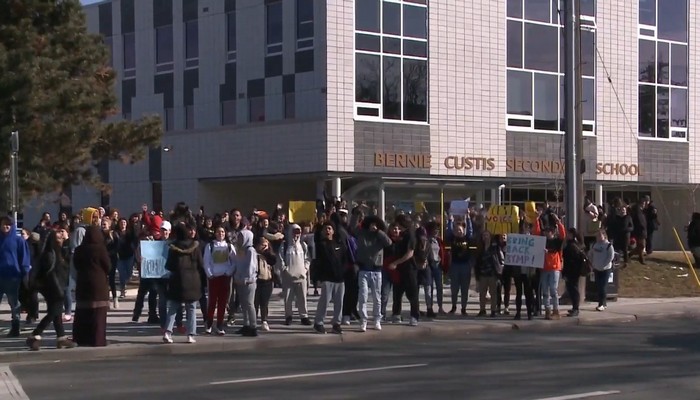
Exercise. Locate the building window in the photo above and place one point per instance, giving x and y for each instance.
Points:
(231, 36)
(164, 48)
(256, 109)
(305, 24)
(274, 28)
(391, 60)
(191, 44)
(129, 55)
(228, 112)
(663, 69)
(535, 65)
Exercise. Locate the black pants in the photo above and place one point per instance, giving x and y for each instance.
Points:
(54, 309)
(352, 292)
(572, 290)
(649, 246)
(263, 292)
(113, 279)
(523, 283)
(408, 283)
(154, 288)
(504, 286)
(29, 300)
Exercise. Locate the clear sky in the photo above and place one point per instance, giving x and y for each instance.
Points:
(89, 1)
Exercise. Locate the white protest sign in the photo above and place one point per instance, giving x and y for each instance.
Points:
(525, 250)
(154, 254)
(459, 207)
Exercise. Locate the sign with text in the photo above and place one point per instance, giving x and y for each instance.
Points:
(525, 250)
(154, 254)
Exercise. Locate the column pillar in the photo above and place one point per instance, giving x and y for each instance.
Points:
(495, 198)
(336, 188)
(599, 193)
(381, 197)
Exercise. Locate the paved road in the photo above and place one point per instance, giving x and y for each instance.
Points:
(648, 360)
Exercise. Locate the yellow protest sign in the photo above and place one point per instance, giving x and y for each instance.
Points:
(300, 211)
(530, 212)
(503, 219)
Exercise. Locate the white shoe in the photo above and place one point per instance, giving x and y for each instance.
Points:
(265, 326)
(346, 320)
(363, 326)
(167, 337)
(220, 332)
(190, 339)
(378, 325)
(207, 330)
(115, 303)
(413, 322)
(600, 308)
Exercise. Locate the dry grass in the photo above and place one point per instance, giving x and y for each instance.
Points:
(665, 274)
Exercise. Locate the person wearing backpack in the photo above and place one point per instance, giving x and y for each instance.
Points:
(293, 264)
(219, 258)
(576, 265)
(602, 255)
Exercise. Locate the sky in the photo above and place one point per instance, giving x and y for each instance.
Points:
(85, 2)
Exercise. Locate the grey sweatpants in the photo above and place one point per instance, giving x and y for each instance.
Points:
(294, 291)
(330, 290)
(246, 295)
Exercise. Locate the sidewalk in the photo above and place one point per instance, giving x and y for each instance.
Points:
(128, 339)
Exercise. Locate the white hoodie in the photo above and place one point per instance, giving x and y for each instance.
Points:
(601, 255)
(294, 260)
(219, 259)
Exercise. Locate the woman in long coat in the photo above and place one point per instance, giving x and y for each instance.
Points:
(92, 266)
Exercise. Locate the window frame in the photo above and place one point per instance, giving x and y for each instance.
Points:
(304, 43)
(165, 66)
(273, 49)
(191, 62)
(231, 55)
(129, 72)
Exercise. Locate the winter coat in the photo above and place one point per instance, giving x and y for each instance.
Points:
(92, 267)
(574, 261)
(639, 220)
(52, 271)
(601, 255)
(186, 270)
(331, 257)
(694, 231)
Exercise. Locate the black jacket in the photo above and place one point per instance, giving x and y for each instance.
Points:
(186, 268)
(331, 258)
(574, 261)
(639, 220)
(694, 231)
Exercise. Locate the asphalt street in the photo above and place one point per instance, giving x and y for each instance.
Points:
(646, 360)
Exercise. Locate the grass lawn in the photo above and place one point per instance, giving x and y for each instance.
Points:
(665, 274)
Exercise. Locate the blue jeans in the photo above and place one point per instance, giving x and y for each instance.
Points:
(549, 283)
(10, 288)
(370, 280)
(125, 268)
(601, 283)
(190, 307)
(460, 277)
(436, 282)
(386, 289)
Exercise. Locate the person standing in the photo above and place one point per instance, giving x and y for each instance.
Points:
(549, 278)
(92, 267)
(126, 245)
(293, 263)
(461, 265)
(602, 255)
(331, 258)
(28, 296)
(653, 224)
(407, 277)
(245, 275)
(219, 258)
(574, 268)
(639, 230)
(267, 260)
(112, 244)
(14, 268)
(488, 266)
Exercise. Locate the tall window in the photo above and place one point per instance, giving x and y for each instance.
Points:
(305, 24)
(129, 55)
(164, 48)
(274, 28)
(535, 65)
(231, 35)
(663, 69)
(391, 60)
(191, 44)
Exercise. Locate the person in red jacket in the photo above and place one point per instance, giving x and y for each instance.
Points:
(553, 261)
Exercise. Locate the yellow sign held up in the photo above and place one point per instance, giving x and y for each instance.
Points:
(301, 211)
(503, 219)
(530, 212)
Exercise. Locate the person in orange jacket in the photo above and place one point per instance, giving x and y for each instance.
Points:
(553, 261)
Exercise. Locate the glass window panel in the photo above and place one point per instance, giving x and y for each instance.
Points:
(392, 45)
(367, 42)
(415, 90)
(588, 99)
(371, 112)
(415, 49)
(647, 12)
(164, 44)
(562, 51)
(305, 11)
(541, 47)
(538, 10)
(367, 78)
(647, 110)
(515, 8)
(519, 92)
(546, 102)
(673, 20)
(367, 15)
(647, 32)
(662, 112)
(662, 62)
(305, 30)
(424, 2)
(391, 18)
(129, 51)
(647, 61)
(256, 109)
(191, 39)
(588, 53)
(415, 22)
(515, 44)
(392, 88)
(588, 8)
(679, 108)
(231, 31)
(679, 65)
(274, 23)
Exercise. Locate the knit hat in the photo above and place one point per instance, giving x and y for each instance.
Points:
(88, 214)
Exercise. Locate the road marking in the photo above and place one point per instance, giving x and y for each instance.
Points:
(582, 395)
(10, 388)
(313, 374)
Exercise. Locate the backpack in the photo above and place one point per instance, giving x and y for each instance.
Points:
(422, 249)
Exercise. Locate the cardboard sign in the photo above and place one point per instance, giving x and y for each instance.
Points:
(154, 254)
(503, 219)
(525, 250)
(301, 211)
(459, 207)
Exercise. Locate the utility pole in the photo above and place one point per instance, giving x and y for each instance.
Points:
(572, 131)
(14, 175)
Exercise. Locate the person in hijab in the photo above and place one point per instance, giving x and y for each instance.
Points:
(92, 265)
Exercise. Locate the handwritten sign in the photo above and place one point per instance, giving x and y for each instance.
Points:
(525, 250)
(459, 207)
(153, 257)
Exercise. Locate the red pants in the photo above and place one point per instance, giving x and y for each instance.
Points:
(219, 288)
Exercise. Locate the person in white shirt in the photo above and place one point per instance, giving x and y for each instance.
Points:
(293, 266)
(219, 259)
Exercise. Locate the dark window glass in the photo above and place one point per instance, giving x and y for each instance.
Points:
(588, 8)
(392, 88)
(546, 101)
(415, 21)
(256, 109)
(305, 19)
(392, 45)
(164, 44)
(415, 90)
(415, 48)
(228, 112)
(663, 57)
(191, 39)
(231, 31)
(274, 23)
(646, 32)
(519, 92)
(129, 51)
(662, 112)
(169, 120)
(679, 65)
(417, 1)
(538, 10)
(673, 20)
(587, 53)
(647, 61)
(541, 47)
(367, 15)
(289, 105)
(370, 112)
(647, 12)
(367, 42)
(515, 8)
(588, 99)
(647, 110)
(679, 108)
(391, 18)
(555, 11)
(367, 78)
(515, 44)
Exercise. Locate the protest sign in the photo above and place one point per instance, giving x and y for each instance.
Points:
(525, 250)
(301, 211)
(154, 254)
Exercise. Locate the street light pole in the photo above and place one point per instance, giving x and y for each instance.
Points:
(14, 175)
(572, 97)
